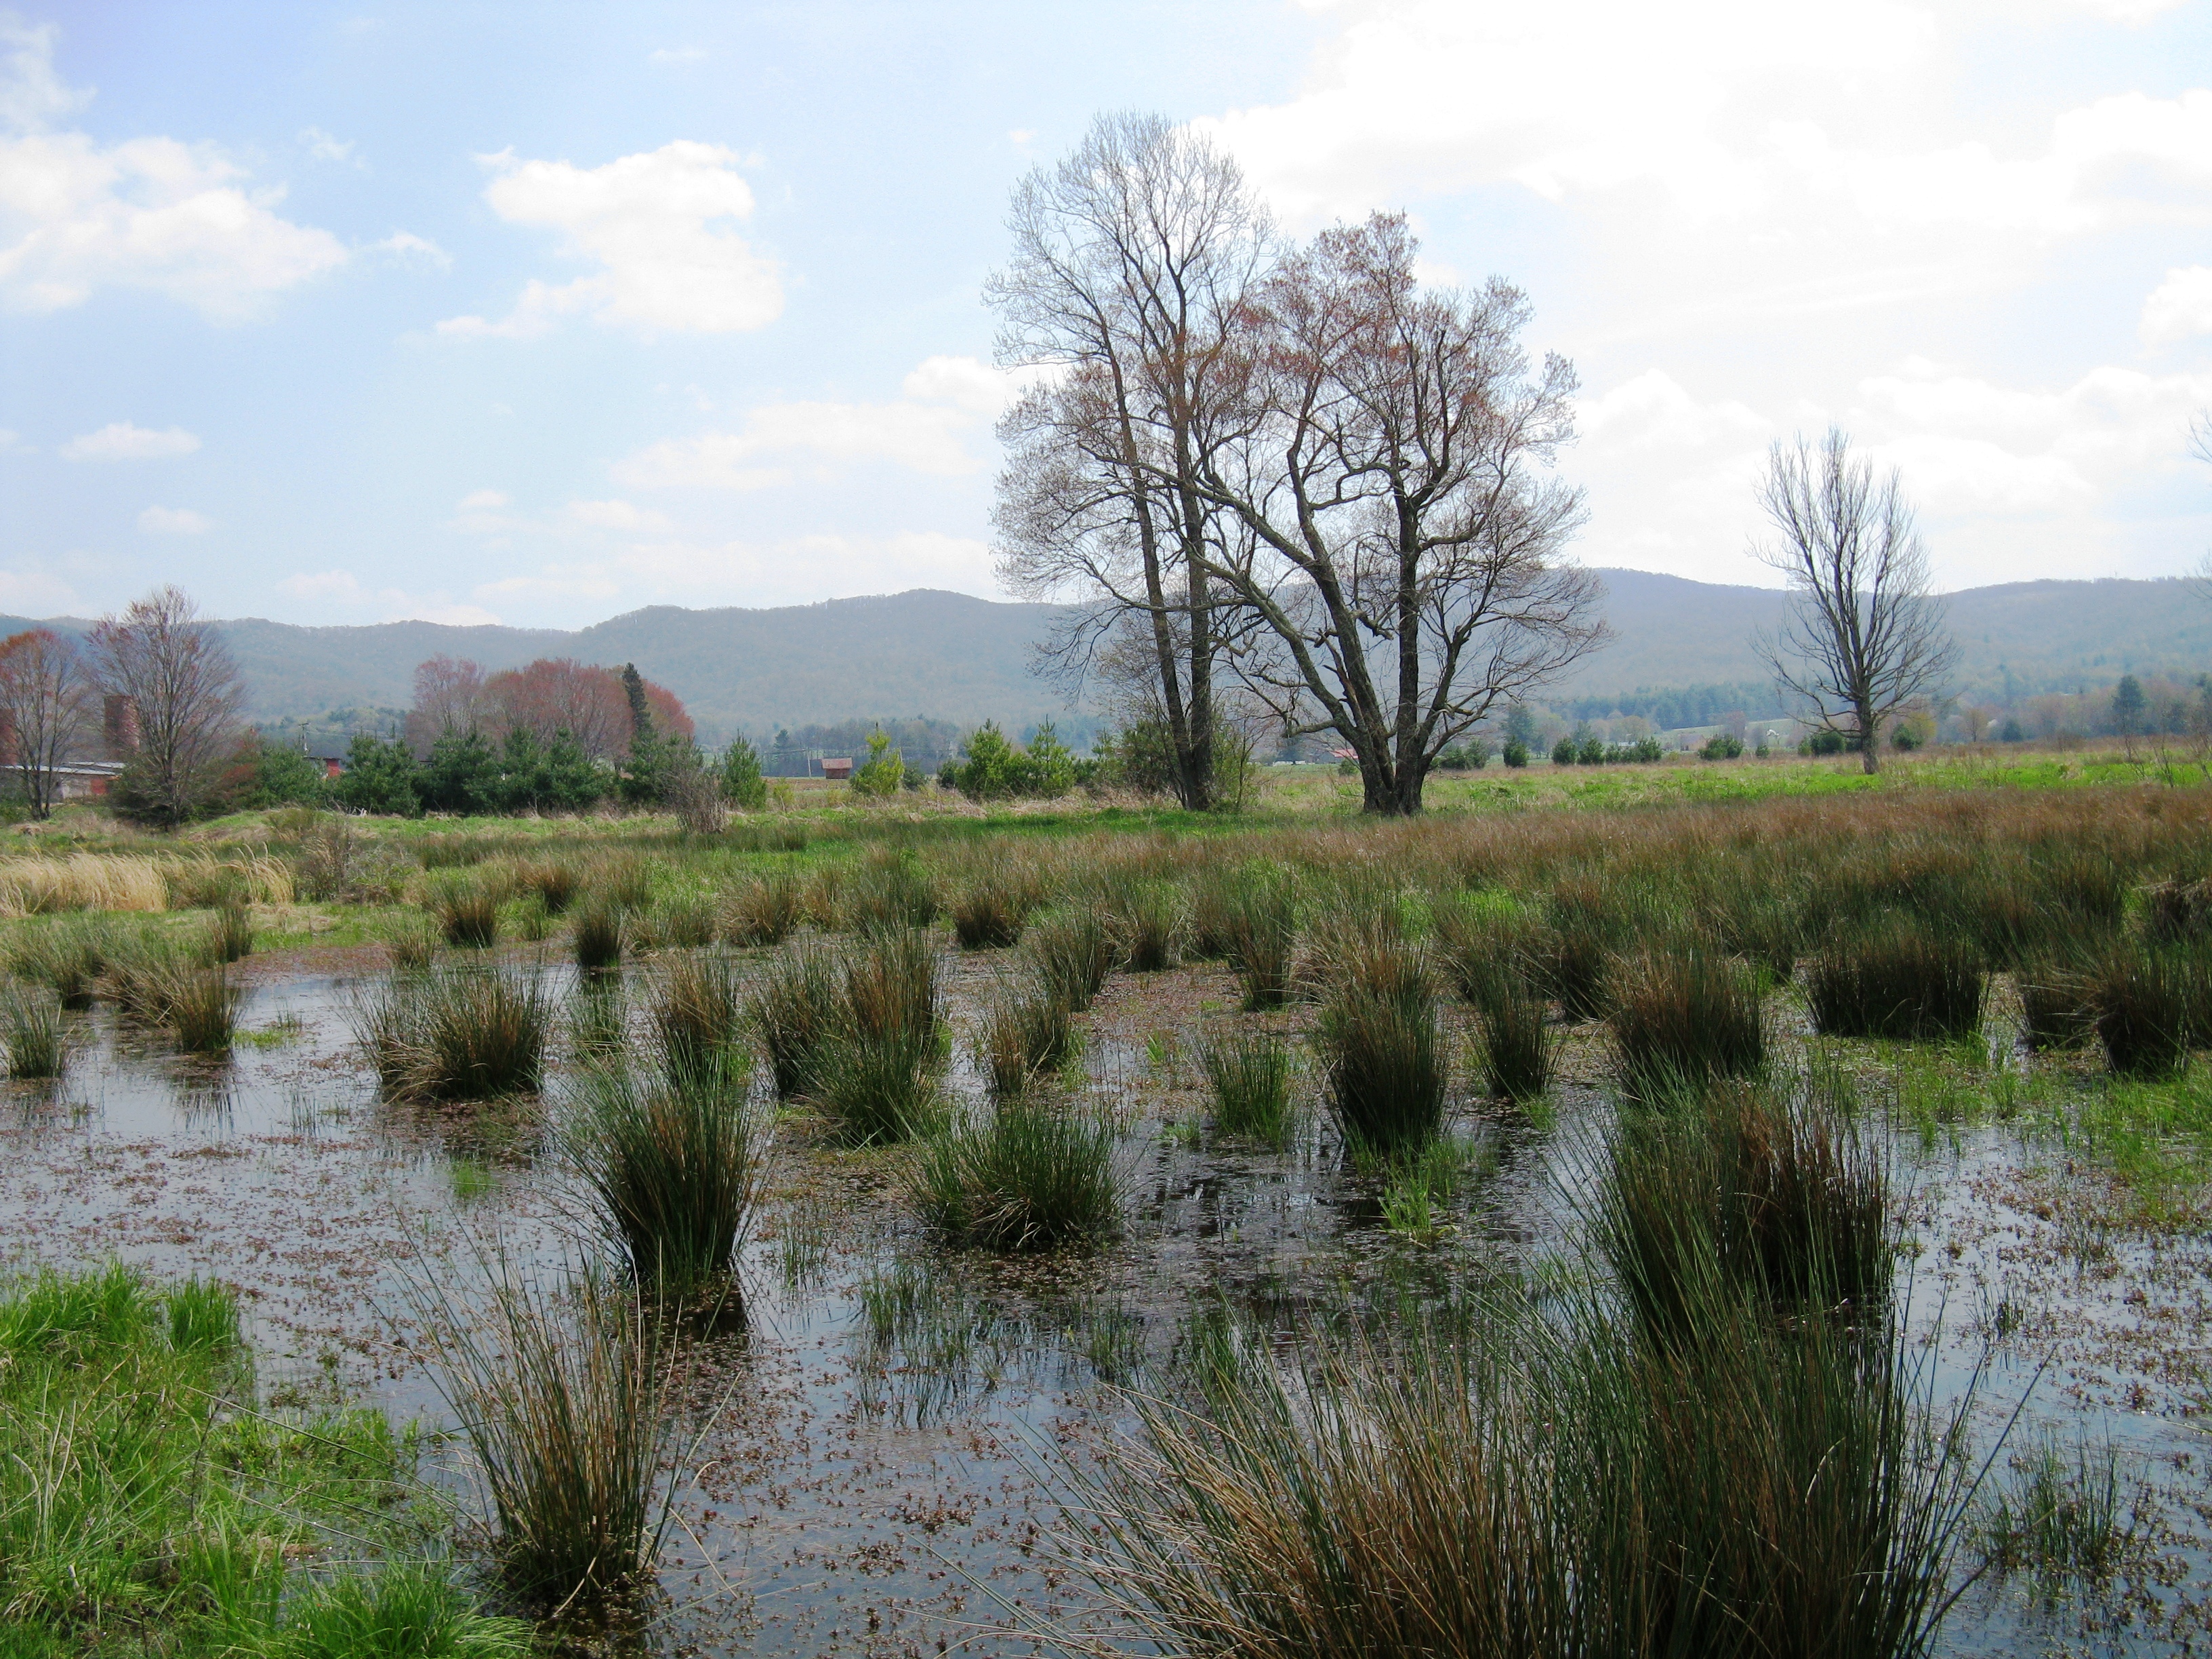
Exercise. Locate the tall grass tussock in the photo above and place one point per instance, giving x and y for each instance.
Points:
(1025, 1174)
(1383, 1056)
(1685, 1017)
(460, 1033)
(1248, 1073)
(1896, 977)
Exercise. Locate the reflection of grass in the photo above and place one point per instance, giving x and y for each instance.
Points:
(146, 1506)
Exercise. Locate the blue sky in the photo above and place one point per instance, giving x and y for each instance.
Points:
(541, 313)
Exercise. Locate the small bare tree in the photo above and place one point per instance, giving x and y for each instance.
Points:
(1132, 260)
(47, 701)
(1865, 631)
(174, 671)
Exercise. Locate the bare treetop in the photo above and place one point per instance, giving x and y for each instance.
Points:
(1865, 632)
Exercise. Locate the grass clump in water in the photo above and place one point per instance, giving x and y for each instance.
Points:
(2063, 1516)
(1382, 1055)
(673, 1155)
(467, 914)
(1029, 1174)
(562, 1394)
(765, 911)
(695, 1009)
(1249, 1075)
(2144, 1001)
(31, 1030)
(230, 933)
(70, 955)
(599, 934)
(202, 1010)
(1073, 953)
(1896, 977)
(1026, 1031)
(456, 1034)
(1683, 1018)
(794, 1008)
(1261, 937)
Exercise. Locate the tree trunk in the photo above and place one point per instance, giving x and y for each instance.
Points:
(1869, 750)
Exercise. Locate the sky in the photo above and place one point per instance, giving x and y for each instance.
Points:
(540, 314)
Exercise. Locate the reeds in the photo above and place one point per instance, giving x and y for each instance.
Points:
(673, 1155)
(462, 1033)
(1739, 1190)
(764, 911)
(230, 933)
(201, 1010)
(872, 1079)
(563, 1395)
(1249, 1073)
(1260, 936)
(1382, 1053)
(1073, 952)
(1541, 1484)
(1025, 1032)
(32, 1033)
(1029, 1174)
(794, 1008)
(696, 1011)
(2144, 1000)
(1519, 1052)
(467, 914)
(1685, 1018)
(83, 881)
(1146, 919)
(69, 955)
(599, 935)
(1896, 977)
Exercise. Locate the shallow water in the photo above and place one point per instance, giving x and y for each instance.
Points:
(872, 1480)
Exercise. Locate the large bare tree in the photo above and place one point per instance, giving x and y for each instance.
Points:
(179, 679)
(1864, 633)
(1397, 535)
(47, 700)
(1132, 261)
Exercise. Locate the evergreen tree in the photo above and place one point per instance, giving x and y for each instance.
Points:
(2128, 706)
(380, 776)
(462, 775)
(285, 776)
(742, 787)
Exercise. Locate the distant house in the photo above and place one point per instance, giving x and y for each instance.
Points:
(837, 767)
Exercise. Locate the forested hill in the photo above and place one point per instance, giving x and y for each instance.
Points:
(952, 657)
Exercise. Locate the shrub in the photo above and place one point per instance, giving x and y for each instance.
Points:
(1249, 1074)
(883, 772)
(1515, 754)
(1686, 1018)
(1519, 1052)
(599, 935)
(1722, 745)
(1030, 1175)
(742, 786)
(1565, 752)
(673, 1157)
(990, 768)
(1073, 953)
(1592, 751)
(765, 911)
(794, 1008)
(1384, 1064)
(2144, 1001)
(31, 1030)
(1025, 1032)
(1896, 977)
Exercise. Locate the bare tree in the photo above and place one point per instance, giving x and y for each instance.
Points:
(1865, 631)
(1132, 260)
(176, 675)
(1396, 541)
(450, 696)
(47, 704)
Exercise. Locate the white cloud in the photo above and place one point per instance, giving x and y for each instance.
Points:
(676, 55)
(120, 441)
(481, 500)
(947, 400)
(8, 439)
(174, 521)
(326, 590)
(324, 148)
(405, 245)
(616, 515)
(653, 224)
(2180, 307)
(150, 213)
